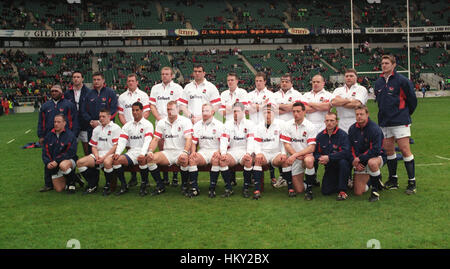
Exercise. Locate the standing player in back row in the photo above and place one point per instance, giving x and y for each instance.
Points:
(161, 94)
(396, 101)
(125, 102)
(233, 95)
(196, 93)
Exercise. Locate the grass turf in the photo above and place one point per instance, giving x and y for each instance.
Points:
(33, 220)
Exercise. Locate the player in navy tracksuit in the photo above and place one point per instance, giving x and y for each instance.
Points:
(366, 139)
(77, 95)
(333, 151)
(59, 154)
(57, 105)
(98, 98)
(396, 103)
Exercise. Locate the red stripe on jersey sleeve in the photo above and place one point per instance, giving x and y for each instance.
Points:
(152, 100)
(250, 135)
(120, 109)
(285, 138)
(311, 140)
(188, 131)
(182, 101)
(159, 135)
(92, 142)
(146, 107)
(115, 140)
(257, 139)
(124, 136)
(215, 101)
(148, 134)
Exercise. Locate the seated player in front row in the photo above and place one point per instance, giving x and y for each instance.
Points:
(239, 138)
(59, 155)
(206, 136)
(137, 135)
(268, 147)
(103, 142)
(176, 130)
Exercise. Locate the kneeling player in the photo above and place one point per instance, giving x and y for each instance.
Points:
(207, 133)
(59, 155)
(176, 130)
(104, 142)
(366, 139)
(333, 151)
(137, 134)
(239, 137)
(268, 147)
(299, 138)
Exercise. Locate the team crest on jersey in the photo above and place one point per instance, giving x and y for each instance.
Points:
(139, 99)
(391, 88)
(171, 92)
(245, 130)
(264, 97)
(142, 130)
(353, 94)
(204, 90)
(321, 99)
(214, 131)
(304, 134)
(335, 146)
(237, 100)
(61, 109)
(290, 99)
(179, 128)
(104, 99)
(275, 132)
(109, 132)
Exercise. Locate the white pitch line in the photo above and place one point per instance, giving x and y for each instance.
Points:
(429, 164)
(28, 131)
(440, 157)
(10, 141)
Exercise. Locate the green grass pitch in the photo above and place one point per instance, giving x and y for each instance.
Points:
(33, 220)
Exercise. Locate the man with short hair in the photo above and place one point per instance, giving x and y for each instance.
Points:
(396, 101)
(333, 151)
(347, 97)
(77, 95)
(233, 95)
(56, 105)
(103, 142)
(365, 141)
(136, 134)
(98, 98)
(160, 95)
(268, 147)
(126, 100)
(59, 154)
(299, 139)
(176, 130)
(206, 136)
(258, 98)
(196, 93)
(237, 148)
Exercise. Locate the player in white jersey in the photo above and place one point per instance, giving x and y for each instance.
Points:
(237, 147)
(299, 138)
(160, 95)
(176, 130)
(258, 98)
(285, 98)
(347, 97)
(104, 142)
(126, 100)
(196, 93)
(233, 95)
(136, 135)
(268, 147)
(318, 104)
(206, 136)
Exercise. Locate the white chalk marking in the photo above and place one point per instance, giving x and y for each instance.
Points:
(440, 157)
(429, 164)
(10, 141)
(28, 131)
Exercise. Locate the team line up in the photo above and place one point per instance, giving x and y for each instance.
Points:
(283, 129)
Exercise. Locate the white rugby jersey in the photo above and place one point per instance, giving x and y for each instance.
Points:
(258, 97)
(162, 94)
(128, 98)
(207, 135)
(228, 99)
(299, 136)
(174, 134)
(290, 97)
(104, 138)
(268, 139)
(238, 136)
(136, 135)
(357, 92)
(318, 117)
(195, 95)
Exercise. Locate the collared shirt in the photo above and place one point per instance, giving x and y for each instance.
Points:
(136, 135)
(104, 138)
(238, 136)
(128, 98)
(228, 99)
(318, 117)
(259, 97)
(268, 139)
(161, 94)
(355, 92)
(195, 95)
(174, 134)
(336, 146)
(291, 96)
(207, 135)
(300, 136)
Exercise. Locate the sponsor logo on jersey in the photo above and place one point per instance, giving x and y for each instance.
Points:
(163, 98)
(238, 138)
(170, 136)
(204, 137)
(102, 139)
(136, 137)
